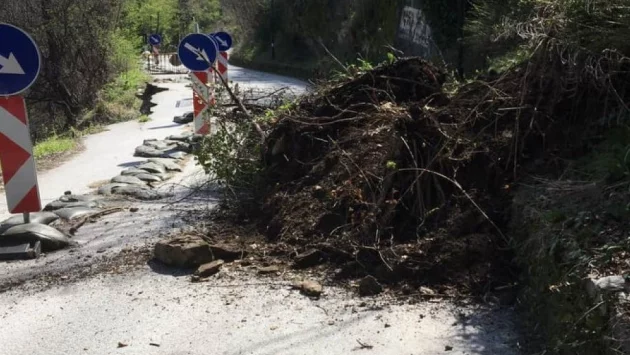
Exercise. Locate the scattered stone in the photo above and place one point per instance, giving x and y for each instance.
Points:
(308, 259)
(134, 209)
(122, 345)
(183, 251)
(153, 168)
(227, 252)
(132, 172)
(69, 214)
(369, 286)
(51, 238)
(310, 288)
(269, 270)
(425, 291)
(210, 268)
(169, 164)
(448, 348)
(68, 192)
(38, 217)
(131, 180)
(108, 189)
(149, 177)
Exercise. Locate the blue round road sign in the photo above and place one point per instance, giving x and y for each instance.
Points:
(224, 40)
(20, 60)
(155, 39)
(197, 52)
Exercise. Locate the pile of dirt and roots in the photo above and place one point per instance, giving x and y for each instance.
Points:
(389, 174)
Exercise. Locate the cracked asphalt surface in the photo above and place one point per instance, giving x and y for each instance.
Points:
(68, 303)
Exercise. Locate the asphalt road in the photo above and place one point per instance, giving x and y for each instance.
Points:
(94, 306)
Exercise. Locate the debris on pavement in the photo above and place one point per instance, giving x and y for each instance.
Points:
(209, 269)
(309, 288)
(369, 286)
(183, 251)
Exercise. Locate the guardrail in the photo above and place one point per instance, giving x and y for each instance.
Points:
(164, 63)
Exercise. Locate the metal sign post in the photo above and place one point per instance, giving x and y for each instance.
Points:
(198, 53)
(20, 63)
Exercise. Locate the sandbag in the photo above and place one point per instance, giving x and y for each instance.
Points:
(107, 189)
(153, 168)
(50, 238)
(149, 177)
(38, 217)
(55, 205)
(131, 180)
(169, 164)
(132, 172)
(69, 214)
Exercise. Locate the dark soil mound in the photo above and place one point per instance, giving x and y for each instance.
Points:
(389, 176)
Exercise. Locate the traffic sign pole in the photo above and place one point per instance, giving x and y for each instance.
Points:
(20, 63)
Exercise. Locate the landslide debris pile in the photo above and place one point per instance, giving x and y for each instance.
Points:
(389, 175)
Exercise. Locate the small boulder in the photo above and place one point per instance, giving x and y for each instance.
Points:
(369, 286)
(310, 288)
(183, 251)
(209, 269)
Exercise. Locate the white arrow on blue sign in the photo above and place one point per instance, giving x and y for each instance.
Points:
(197, 52)
(224, 40)
(20, 60)
(155, 39)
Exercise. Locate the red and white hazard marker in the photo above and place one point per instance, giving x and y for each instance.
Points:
(222, 65)
(202, 97)
(16, 157)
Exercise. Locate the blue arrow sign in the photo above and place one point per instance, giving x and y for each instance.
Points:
(20, 60)
(197, 52)
(224, 40)
(155, 39)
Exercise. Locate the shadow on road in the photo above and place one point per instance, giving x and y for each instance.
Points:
(164, 269)
(167, 126)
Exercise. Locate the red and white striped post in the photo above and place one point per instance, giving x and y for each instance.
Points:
(16, 158)
(203, 98)
(222, 65)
